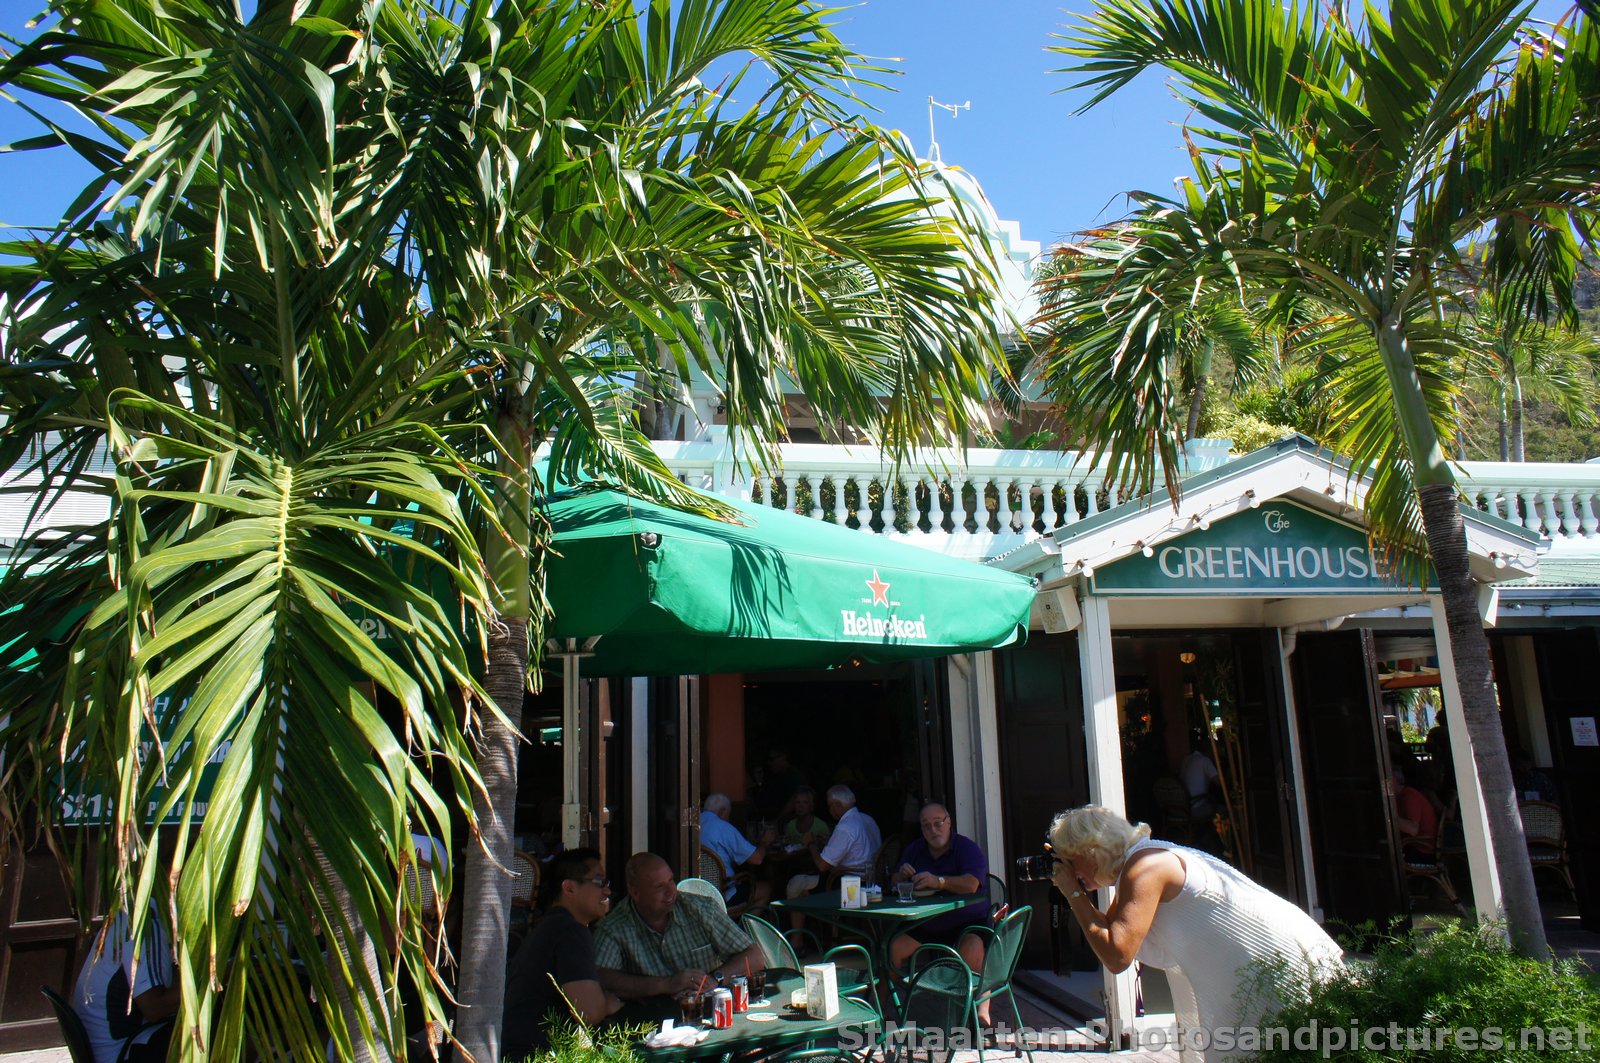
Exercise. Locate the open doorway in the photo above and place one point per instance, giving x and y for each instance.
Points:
(881, 730)
(1204, 752)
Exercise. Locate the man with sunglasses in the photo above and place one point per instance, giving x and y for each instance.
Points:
(559, 952)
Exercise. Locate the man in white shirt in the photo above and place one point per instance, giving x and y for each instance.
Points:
(123, 1002)
(724, 839)
(852, 845)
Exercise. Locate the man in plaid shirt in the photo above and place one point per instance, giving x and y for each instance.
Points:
(660, 942)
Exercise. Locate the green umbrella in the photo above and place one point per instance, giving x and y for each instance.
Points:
(673, 593)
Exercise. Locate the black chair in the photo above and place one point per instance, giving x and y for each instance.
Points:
(71, 1027)
(77, 1037)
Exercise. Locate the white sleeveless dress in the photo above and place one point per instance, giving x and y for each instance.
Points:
(1217, 934)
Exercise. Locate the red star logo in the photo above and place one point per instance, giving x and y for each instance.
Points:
(880, 589)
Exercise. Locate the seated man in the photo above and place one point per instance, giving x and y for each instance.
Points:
(1414, 816)
(559, 952)
(128, 1000)
(660, 942)
(724, 839)
(851, 847)
(943, 860)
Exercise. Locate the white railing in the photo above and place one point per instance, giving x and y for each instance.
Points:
(1551, 498)
(985, 502)
(977, 504)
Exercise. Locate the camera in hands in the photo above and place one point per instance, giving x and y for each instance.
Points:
(1036, 868)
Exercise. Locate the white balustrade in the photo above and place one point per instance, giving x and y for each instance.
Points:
(983, 502)
(1551, 498)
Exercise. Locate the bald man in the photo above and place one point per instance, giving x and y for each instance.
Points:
(659, 942)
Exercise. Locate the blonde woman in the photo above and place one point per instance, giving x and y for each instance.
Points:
(1233, 951)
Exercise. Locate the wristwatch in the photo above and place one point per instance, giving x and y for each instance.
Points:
(1075, 894)
(941, 882)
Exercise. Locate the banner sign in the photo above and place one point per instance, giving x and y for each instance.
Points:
(84, 808)
(1282, 550)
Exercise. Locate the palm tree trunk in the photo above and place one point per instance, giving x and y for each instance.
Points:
(352, 956)
(1196, 401)
(1447, 544)
(1518, 444)
(487, 889)
(1446, 532)
(1502, 423)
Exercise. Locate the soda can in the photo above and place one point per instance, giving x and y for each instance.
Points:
(721, 1009)
(741, 993)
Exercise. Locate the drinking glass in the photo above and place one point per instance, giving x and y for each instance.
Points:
(758, 987)
(689, 1007)
(905, 891)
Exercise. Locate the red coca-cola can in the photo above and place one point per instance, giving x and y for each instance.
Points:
(721, 1009)
(741, 993)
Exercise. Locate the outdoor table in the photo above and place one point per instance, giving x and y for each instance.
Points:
(787, 1029)
(878, 921)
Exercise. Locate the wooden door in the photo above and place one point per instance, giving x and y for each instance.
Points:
(1353, 838)
(40, 945)
(1268, 776)
(1043, 769)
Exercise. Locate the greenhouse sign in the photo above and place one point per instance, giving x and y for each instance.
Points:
(1281, 550)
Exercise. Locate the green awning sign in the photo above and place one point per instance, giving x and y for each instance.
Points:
(674, 593)
(1282, 549)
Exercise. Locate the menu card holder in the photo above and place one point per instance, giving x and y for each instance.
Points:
(850, 895)
(822, 990)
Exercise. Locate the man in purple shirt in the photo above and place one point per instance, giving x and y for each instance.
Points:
(952, 863)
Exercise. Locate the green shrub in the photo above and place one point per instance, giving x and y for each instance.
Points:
(1454, 979)
(608, 1043)
(1247, 431)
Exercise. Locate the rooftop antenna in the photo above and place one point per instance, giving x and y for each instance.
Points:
(955, 110)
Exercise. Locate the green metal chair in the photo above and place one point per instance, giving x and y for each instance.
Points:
(853, 961)
(937, 1016)
(996, 888)
(1002, 949)
(701, 888)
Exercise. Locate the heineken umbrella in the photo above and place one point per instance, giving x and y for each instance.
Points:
(662, 592)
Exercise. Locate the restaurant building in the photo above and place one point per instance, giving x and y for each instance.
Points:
(1254, 614)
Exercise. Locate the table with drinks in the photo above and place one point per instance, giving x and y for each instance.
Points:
(762, 1013)
(874, 917)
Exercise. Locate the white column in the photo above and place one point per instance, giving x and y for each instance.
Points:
(639, 764)
(571, 748)
(1474, 816)
(1104, 740)
(1297, 770)
(1532, 728)
(964, 801)
(986, 717)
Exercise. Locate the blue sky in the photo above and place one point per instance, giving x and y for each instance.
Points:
(1052, 172)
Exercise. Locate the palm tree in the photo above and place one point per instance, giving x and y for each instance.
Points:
(1530, 360)
(1071, 354)
(746, 245)
(370, 254)
(1348, 161)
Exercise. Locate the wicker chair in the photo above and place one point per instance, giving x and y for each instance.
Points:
(1546, 835)
(1432, 867)
(525, 887)
(715, 872)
